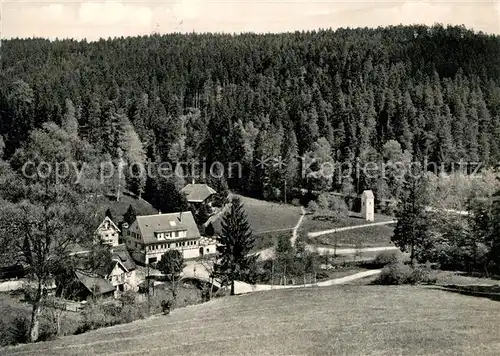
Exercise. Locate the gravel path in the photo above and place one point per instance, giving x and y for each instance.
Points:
(338, 229)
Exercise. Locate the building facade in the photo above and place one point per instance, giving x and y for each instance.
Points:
(149, 237)
(108, 232)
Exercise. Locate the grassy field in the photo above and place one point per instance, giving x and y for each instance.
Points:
(265, 217)
(373, 236)
(341, 320)
(325, 220)
(269, 239)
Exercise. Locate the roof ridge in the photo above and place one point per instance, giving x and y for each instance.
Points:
(163, 214)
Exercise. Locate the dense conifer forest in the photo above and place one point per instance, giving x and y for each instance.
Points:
(350, 94)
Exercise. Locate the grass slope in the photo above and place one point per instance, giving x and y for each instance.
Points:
(266, 217)
(342, 320)
(372, 236)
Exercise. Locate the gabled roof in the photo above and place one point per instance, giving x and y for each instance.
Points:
(107, 219)
(120, 253)
(197, 193)
(150, 224)
(368, 194)
(94, 284)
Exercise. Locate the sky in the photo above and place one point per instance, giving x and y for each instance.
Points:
(93, 19)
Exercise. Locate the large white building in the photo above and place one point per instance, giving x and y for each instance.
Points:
(149, 237)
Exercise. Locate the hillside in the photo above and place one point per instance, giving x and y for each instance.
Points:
(347, 320)
(380, 95)
(267, 217)
(118, 208)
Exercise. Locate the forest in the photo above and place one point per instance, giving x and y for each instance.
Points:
(349, 95)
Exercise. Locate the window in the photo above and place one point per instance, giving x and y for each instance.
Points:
(208, 250)
(176, 234)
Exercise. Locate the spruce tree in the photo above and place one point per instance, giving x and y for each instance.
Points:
(168, 199)
(109, 214)
(412, 227)
(235, 243)
(130, 215)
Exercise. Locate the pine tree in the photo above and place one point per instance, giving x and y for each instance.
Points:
(130, 215)
(209, 230)
(412, 227)
(290, 157)
(235, 243)
(70, 123)
(109, 214)
(168, 199)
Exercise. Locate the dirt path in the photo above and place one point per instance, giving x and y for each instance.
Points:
(243, 288)
(268, 253)
(348, 250)
(199, 271)
(338, 229)
(296, 228)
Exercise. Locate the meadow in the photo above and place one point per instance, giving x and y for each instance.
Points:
(340, 320)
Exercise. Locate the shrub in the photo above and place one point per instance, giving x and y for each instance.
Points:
(338, 205)
(394, 274)
(399, 273)
(387, 257)
(322, 201)
(422, 275)
(19, 329)
(312, 206)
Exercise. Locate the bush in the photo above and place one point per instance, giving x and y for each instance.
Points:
(312, 206)
(338, 205)
(399, 273)
(322, 201)
(422, 275)
(387, 257)
(19, 329)
(394, 274)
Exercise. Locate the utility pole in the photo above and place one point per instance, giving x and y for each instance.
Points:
(1, 25)
(147, 284)
(272, 273)
(285, 190)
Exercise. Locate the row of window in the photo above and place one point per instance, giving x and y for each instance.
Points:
(171, 245)
(166, 235)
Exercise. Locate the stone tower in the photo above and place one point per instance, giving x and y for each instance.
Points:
(368, 205)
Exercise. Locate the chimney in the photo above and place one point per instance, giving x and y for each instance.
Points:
(180, 216)
(159, 212)
(192, 180)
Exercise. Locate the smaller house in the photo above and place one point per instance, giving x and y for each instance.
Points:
(122, 270)
(208, 246)
(108, 232)
(91, 285)
(119, 274)
(368, 205)
(196, 194)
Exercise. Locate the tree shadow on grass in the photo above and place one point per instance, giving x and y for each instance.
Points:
(490, 292)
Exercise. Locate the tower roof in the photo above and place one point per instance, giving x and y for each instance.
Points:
(367, 194)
